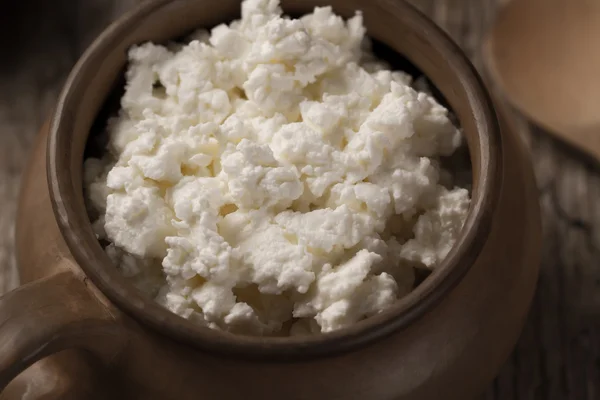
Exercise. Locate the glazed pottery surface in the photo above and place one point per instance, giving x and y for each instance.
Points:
(120, 347)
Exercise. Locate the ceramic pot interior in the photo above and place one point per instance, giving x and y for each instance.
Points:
(404, 38)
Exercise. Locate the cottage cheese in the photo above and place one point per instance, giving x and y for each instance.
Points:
(272, 177)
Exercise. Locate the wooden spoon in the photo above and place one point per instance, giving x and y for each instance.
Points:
(544, 55)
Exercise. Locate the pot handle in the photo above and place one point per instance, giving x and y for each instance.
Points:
(50, 315)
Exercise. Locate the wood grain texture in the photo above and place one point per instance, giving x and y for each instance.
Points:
(558, 356)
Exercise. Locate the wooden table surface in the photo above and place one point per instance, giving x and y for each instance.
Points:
(558, 355)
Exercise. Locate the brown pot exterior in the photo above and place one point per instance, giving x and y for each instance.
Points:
(452, 352)
(455, 349)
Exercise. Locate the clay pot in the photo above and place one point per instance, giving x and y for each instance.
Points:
(450, 335)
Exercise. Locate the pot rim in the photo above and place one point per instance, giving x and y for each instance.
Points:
(67, 202)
